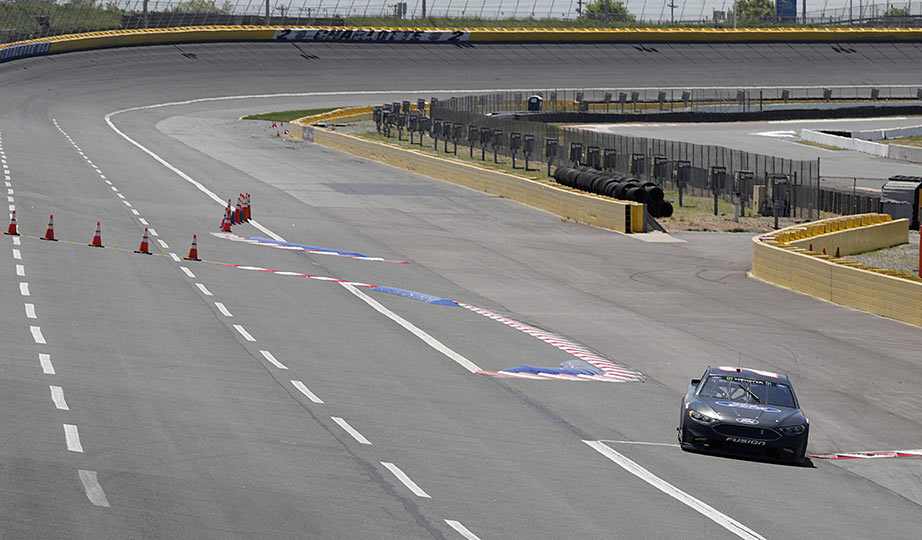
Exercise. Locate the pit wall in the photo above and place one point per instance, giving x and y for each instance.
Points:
(621, 216)
(205, 34)
(779, 259)
(890, 151)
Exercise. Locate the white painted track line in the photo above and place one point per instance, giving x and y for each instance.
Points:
(704, 509)
(175, 257)
(243, 332)
(223, 309)
(641, 443)
(272, 360)
(57, 396)
(143, 221)
(188, 272)
(93, 489)
(45, 361)
(152, 231)
(426, 338)
(204, 289)
(21, 271)
(350, 430)
(37, 335)
(30, 311)
(23, 285)
(163, 244)
(462, 530)
(72, 436)
(304, 390)
(405, 480)
(17, 241)
(17, 254)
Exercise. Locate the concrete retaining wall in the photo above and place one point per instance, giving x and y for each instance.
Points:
(883, 134)
(836, 280)
(622, 216)
(905, 153)
(890, 151)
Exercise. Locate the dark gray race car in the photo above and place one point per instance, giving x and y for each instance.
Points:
(743, 411)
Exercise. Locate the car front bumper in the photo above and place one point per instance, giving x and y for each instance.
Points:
(726, 437)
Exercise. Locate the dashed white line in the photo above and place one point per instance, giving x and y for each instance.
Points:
(135, 212)
(163, 244)
(120, 196)
(204, 290)
(37, 335)
(93, 489)
(126, 203)
(45, 361)
(57, 396)
(243, 332)
(405, 480)
(310, 395)
(272, 360)
(30, 311)
(461, 529)
(152, 231)
(350, 430)
(17, 241)
(143, 221)
(706, 510)
(223, 309)
(175, 257)
(17, 255)
(187, 272)
(10, 199)
(23, 285)
(72, 436)
(426, 338)
(12, 207)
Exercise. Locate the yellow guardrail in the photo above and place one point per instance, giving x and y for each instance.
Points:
(200, 34)
(802, 258)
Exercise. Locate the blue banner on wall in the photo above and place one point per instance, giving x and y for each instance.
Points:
(786, 10)
(24, 51)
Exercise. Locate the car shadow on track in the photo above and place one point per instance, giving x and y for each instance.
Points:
(807, 463)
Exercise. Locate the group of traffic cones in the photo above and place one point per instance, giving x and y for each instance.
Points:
(96, 241)
(235, 215)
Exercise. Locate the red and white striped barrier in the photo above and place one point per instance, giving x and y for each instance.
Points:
(299, 274)
(871, 454)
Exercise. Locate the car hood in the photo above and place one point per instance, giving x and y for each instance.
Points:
(766, 415)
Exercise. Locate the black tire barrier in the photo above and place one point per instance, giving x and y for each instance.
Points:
(616, 186)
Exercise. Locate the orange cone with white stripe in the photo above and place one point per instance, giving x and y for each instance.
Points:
(144, 248)
(13, 230)
(246, 207)
(97, 237)
(225, 225)
(193, 250)
(49, 232)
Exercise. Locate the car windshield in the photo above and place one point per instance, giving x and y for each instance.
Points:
(743, 390)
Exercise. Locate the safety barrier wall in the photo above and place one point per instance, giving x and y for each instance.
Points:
(154, 36)
(837, 280)
(857, 240)
(891, 151)
(905, 153)
(884, 134)
(579, 207)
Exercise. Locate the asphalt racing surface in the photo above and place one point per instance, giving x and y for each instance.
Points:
(145, 396)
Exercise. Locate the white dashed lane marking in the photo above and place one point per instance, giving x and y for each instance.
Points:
(72, 437)
(163, 244)
(23, 285)
(175, 257)
(223, 309)
(37, 335)
(204, 289)
(17, 254)
(350, 430)
(306, 391)
(461, 529)
(405, 480)
(243, 332)
(45, 361)
(272, 360)
(188, 272)
(57, 396)
(152, 231)
(30, 311)
(93, 489)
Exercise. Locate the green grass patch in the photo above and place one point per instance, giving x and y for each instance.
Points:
(288, 116)
(906, 141)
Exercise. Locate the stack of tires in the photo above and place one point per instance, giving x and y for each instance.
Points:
(617, 186)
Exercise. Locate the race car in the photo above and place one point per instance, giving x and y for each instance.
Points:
(743, 411)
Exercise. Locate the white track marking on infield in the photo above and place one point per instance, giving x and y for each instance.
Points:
(72, 436)
(243, 332)
(21, 271)
(175, 257)
(706, 510)
(57, 396)
(187, 272)
(17, 241)
(93, 489)
(17, 254)
(30, 311)
(306, 391)
(204, 289)
(143, 221)
(835, 120)
(405, 480)
(152, 231)
(426, 338)
(23, 285)
(223, 309)
(163, 244)
(461, 529)
(45, 361)
(272, 360)
(37, 335)
(135, 212)
(350, 430)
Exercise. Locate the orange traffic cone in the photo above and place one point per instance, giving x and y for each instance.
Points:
(193, 250)
(49, 232)
(12, 230)
(225, 225)
(97, 237)
(144, 248)
(246, 207)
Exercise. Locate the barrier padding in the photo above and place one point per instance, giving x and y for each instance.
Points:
(580, 207)
(204, 34)
(888, 293)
